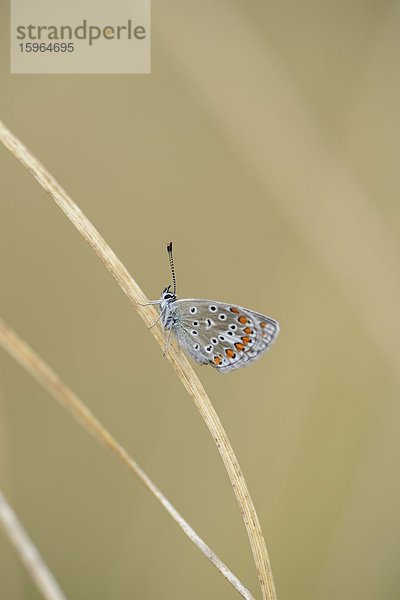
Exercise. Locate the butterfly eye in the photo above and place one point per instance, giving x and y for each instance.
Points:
(212, 308)
(208, 348)
(194, 332)
(233, 327)
(214, 341)
(222, 317)
(221, 337)
(195, 323)
(196, 346)
(193, 310)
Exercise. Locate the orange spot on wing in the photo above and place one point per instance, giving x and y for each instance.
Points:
(230, 353)
(248, 330)
(263, 324)
(217, 360)
(239, 346)
(245, 340)
(234, 310)
(242, 319)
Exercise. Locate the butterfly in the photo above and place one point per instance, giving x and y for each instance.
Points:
(225, 336)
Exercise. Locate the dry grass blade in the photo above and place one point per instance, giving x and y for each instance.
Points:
(28, 553)
(28, 359)
(175, 355)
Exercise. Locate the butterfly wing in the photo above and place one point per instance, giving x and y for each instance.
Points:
(226, 336)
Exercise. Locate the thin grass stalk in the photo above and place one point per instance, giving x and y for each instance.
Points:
(28, 553)
(181, 365)
(32, 363)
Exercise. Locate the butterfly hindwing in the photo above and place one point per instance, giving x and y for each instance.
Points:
(225, 336)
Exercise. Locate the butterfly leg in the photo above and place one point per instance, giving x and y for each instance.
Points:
(152, 302)
(167, 343)
(155, 322)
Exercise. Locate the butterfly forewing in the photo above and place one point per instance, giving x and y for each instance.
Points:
(225, 336)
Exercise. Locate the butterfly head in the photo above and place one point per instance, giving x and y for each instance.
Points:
(167, 296)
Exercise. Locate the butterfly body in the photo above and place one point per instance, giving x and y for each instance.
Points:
(225, 336)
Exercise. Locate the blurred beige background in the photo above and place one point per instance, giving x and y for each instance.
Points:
(266, 144)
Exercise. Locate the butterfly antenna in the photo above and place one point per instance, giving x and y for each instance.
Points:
(171, 264)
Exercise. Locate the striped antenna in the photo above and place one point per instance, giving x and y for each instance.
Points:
(171, 264)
